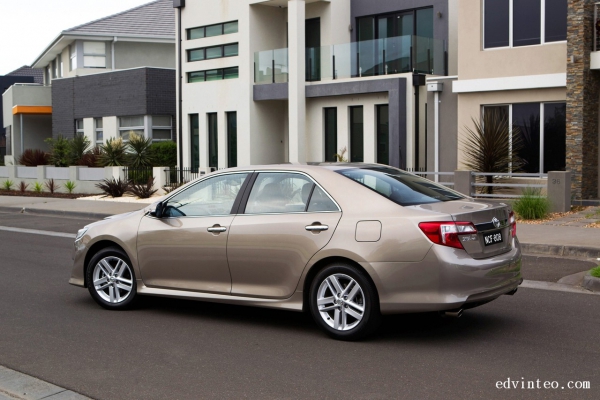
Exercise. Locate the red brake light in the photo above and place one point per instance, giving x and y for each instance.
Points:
(512, 221)
(447, 233)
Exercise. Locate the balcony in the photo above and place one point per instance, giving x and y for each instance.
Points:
(368, 58)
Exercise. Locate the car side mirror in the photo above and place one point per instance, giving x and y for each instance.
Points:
(159, 210)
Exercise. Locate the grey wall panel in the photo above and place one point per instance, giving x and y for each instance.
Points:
(141, 91)
(63, 119)
(274, 91)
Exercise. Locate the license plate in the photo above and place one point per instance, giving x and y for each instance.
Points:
(492, 238)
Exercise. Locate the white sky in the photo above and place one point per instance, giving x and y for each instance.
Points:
(27, 27)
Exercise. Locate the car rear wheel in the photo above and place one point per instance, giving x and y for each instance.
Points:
(344, 302)
(111, 280)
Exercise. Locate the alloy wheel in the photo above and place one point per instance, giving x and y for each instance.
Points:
(341, 302)
(113, 280)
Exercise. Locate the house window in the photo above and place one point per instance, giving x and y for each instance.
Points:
(162, 128)
(207, 53)
(195, 145)
(533, 22)
(73, 57)
(542, 132)
(54, 69)
(231, 139)
(213, 141)
(79, 127)
(383, 134)
(129, 125)
(213, 75)
(356, 134)
(212, 30)
(99, 130)
(94, 55)
(330, 134)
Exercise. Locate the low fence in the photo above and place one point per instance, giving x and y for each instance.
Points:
(85, 178)
(556, 185)
(178, 176)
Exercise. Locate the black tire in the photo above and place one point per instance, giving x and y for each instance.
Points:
(122, 299)
(343, 325)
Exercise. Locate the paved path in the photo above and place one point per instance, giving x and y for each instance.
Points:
(177, 349)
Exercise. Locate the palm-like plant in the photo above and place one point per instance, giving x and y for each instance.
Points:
(80, 145)
(140, 154)
(113, 153)
(492, 146)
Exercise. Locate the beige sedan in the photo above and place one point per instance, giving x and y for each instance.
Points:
(346, 242)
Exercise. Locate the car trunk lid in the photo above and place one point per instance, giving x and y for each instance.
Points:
(491, 219)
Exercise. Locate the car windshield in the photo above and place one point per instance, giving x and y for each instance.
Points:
(399, 186)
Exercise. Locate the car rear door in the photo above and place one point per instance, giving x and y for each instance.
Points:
(285, 219)
(186, 248)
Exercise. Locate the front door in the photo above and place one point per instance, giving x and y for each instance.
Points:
(186, 249)
(287, 220)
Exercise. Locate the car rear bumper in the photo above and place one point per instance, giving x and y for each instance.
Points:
(446, 279)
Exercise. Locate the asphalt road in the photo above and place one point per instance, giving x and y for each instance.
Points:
(176, 349)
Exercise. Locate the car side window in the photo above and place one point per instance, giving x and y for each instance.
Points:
(212, 196)
(320, 202)
(279, 192)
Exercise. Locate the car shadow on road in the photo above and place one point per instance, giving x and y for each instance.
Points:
(416, 328)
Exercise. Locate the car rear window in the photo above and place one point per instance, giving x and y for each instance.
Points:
(399, 186)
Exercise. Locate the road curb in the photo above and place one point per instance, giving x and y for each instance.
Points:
(63, 213)
(19, 386)
(561, 251)
(591, 283)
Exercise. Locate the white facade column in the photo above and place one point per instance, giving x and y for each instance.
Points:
(297, 76)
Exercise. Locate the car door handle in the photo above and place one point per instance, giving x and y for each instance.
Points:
(316, 227)
(216, 229)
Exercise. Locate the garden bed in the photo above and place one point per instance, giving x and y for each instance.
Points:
(28, 193)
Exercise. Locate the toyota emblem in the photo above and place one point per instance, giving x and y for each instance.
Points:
(496, 222)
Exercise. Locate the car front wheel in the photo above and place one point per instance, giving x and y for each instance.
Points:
(111, 280)
(344, 302)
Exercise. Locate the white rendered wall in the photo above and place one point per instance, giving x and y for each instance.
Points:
(88, 129)
(315, 124)
(110, 128)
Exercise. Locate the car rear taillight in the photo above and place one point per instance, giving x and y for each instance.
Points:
(512, 221)
(447, 233)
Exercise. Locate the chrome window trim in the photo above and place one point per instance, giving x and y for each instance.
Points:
(249, 172)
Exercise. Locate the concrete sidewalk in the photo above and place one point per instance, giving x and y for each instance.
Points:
(568, 241)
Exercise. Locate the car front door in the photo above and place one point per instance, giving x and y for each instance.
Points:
(286, 219)
(185, 249)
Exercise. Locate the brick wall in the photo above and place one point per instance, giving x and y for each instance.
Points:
(583, 90)
(141, 91)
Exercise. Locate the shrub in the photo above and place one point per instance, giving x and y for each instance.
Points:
(531, 205)
(113, 187)
(79, 146)
(51, 185)
(70, 186)
(23, 187)
(33, 158)
(60, 151)
(341, 156)
(8, 184)
(38, 187)
(139, 151)
(143, 191)
(595, 272)
(164, 154)
(113, 153)
(487, 147)
(91, 158)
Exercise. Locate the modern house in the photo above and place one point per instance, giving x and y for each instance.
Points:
(23, 75)
(102, 79)
(272, 81)
(532, 61)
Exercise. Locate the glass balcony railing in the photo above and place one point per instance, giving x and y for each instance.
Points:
(359, 59)
(596, 27)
